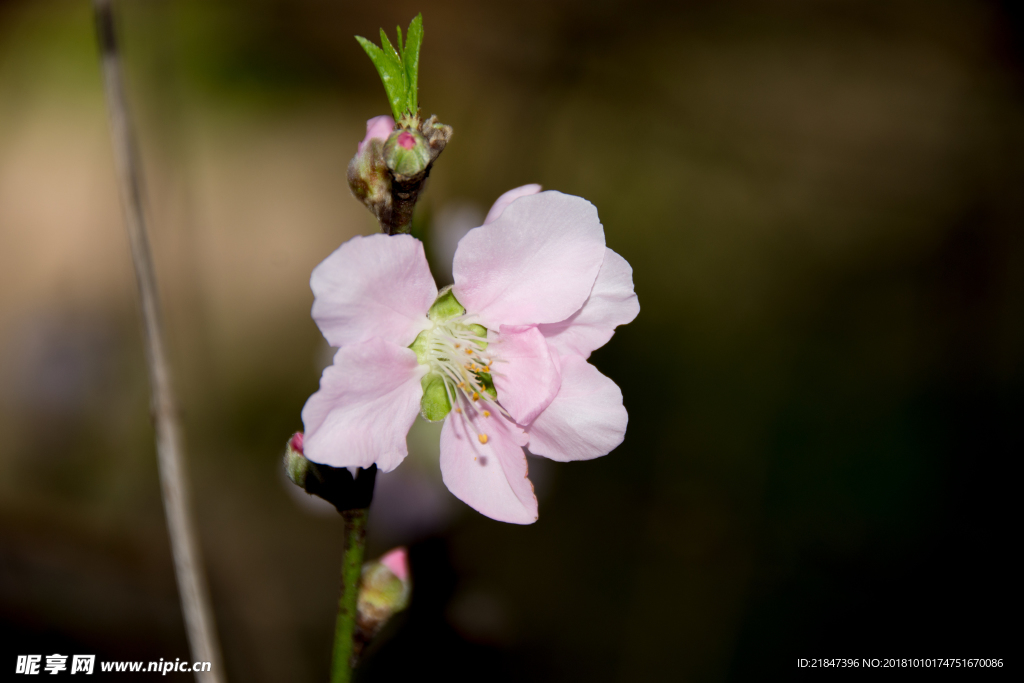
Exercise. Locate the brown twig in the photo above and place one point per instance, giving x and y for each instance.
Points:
(195, 603)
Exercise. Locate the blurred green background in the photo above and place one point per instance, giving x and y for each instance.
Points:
(822, 203)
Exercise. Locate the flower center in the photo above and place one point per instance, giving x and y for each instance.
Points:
(460, 375)
(457, 352)
(460, 367)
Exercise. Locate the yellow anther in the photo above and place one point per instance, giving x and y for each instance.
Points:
(458, 410)
(462, 385)
(469, 351)
(458, 345)
(487, 368)
(476, 396)
(483, 438)
(487, 413)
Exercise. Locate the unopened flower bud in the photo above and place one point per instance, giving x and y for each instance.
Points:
(346, 488)
(383, 592)
(295, 463)
(398, 562)
(407, 153)
(368, 176)
(379, 127)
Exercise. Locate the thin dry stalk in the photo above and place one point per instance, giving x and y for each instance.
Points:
(195, 602)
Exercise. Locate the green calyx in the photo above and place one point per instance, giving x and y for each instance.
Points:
(399, 69)
(488, 383)
(296, 466)
(445, 306)
(435, 404)
(480, 331)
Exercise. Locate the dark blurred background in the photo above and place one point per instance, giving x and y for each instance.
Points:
(822, 203)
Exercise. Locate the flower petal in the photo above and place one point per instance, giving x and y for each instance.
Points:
(586, 419)
(504, 200)
(525, 374)
(535, 264)
(367, 401)
(491, 477)
(612, 302)
(377, 286)
(378, 127)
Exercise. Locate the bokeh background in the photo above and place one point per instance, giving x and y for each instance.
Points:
(822, 203)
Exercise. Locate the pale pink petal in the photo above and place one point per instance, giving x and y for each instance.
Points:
(611, 303)
(397, 561)
(586, 419)
(367, 401)
(535, 264)
(525, 374)
(509, 197)
(378, 127)
(377, 286)
(489, 477)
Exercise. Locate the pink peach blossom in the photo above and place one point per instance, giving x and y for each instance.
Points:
(504, 352)
(504, 200)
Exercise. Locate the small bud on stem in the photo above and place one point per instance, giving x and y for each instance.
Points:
(388, 179)
(409, 168)
(384, 591)
(337, 485)
(368, 175)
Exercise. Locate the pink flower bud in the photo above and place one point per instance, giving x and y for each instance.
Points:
(295, 464)
(384, 590)
(368, 177)
(398, 562)
(379, 127)
(407, 140)
(407, 153)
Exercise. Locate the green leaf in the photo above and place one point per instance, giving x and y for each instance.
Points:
(411, 58)
(398, 64)
(392, 74)
(388, 48)
(399, 69)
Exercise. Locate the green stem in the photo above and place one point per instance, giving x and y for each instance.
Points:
(351, 570)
